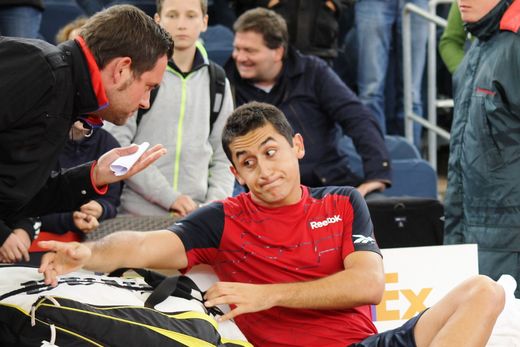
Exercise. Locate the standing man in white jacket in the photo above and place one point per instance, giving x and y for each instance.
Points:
(196, 170)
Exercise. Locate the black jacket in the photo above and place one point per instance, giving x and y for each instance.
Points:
(322, 108)
(43, 89)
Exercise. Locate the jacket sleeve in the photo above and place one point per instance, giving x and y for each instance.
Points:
(65, 190)
(27, 224)
(111, 200)
(24, 72)
(5, 231)
(59, 223)
(344, 107)
(221, 179)
(451, 45)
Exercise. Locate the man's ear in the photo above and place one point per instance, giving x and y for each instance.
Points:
(237, 176)
(157, 18)
(298, 146)
(278, 53)
(119, 71)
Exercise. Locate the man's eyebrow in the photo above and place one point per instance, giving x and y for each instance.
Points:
(240, 153)
(270, 138)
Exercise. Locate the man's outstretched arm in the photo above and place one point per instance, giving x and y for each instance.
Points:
(361, 283)
(151, 249)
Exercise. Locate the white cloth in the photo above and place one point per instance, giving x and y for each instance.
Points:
(506, 332)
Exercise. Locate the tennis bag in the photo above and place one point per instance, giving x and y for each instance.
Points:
(91, 310)
(407, 221)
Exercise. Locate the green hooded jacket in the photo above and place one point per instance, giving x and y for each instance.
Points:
(483, 196)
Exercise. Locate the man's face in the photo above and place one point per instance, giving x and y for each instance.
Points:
(254, 60)
(184, 20)
(265, 162)
(473, 10)
(130, 93)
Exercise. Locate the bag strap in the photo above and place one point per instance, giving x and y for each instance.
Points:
(217, 88)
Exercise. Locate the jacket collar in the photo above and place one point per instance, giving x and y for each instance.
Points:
(511, 19)
(89, 93)
(201, 59)
(488, 25)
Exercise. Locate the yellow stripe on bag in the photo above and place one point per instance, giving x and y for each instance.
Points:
(194, 315)
(236, 342)
(179, 337)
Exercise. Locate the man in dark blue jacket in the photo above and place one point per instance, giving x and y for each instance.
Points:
(316, 102)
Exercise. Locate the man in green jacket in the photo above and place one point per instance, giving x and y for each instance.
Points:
(453, 40)
(483, 195)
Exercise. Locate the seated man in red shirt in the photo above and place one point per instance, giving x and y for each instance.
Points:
(298, 265)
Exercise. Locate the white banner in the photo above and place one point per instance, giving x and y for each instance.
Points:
(417, 277)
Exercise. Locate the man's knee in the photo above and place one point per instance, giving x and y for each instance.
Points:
(486, 293)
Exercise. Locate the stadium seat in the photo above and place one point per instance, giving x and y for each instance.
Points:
(413, 177)
(400, 148)
(218, 41)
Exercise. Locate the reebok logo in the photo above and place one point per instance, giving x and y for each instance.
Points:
(325, 222)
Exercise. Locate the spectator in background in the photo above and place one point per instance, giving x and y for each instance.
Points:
(313, 25)
(453, 40)
(317, 103)
(195, 171)
(105, 73)
(483, 195)
(378, 25)
(21, 18)
(71, 30)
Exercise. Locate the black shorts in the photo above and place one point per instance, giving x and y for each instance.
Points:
(398, 337)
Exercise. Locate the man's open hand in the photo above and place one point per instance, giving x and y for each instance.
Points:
(64, 257)
(103, 175)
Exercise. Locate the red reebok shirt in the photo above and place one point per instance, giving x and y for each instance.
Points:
(248, 243)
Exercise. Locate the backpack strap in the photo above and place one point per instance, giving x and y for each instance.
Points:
(217, 88)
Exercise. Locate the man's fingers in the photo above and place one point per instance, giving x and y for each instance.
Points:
(50, 277)
(46, 260)
(230, 315)
(50, 245)
(24, 252)
(79, 215)
(149, 157)
(122, 151)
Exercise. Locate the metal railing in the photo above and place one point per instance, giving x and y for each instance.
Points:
(409, 116)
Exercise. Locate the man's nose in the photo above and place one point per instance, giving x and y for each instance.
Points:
(145, 101)
(265, 169)
(238, 56)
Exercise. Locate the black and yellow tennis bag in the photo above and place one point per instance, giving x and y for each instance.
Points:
(35, 314)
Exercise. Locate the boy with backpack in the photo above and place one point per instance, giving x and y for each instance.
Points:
(186, 114)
